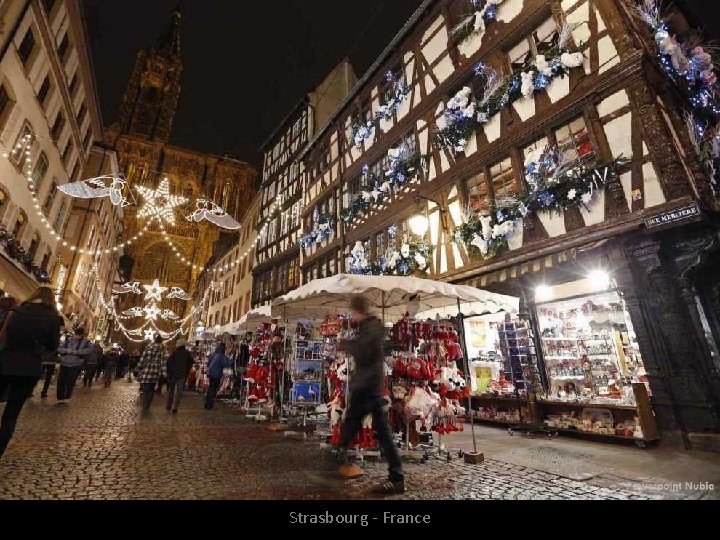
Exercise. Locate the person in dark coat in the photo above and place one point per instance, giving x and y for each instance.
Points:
(216, 363)
(123, 364)
(178, 369)
(73, 353)
(366, 391)
(29, 332)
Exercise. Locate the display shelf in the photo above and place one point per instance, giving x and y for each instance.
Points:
(509, 399)
(592, 434)
(555, 402)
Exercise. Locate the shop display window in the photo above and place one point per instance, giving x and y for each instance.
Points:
(590, 349)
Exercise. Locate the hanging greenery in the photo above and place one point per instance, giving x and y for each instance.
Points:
(691, 68)
(398, 94)
(322, 229)
(464, 114)
(404, 165)
(555, 184)
(482, 13)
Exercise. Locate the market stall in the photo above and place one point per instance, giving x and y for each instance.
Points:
(423, 383)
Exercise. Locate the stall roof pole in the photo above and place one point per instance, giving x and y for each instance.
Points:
(466, 369)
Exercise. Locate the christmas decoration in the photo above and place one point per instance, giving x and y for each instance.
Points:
(411, 258)
(464, 114)
(113, 186)
(154, 291)
(177, 292)
(133, 312)
(159, 204)
(554, 184)
(211, 212)
(395, 98)
(322, 229)
(133, 287)
(691, 68)
(484, 12)
(152, 312)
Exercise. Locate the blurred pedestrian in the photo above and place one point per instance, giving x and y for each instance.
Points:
(149, 370)
(123, 363)
(178, 369)
(93, 365)
(28, 333)
(216, 364)
(111, 360)
(73, 354)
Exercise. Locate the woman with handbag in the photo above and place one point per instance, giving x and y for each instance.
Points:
(29, 332)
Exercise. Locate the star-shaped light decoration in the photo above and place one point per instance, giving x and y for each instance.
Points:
(154, 291)
(152, 312)
(149, 335)
(159, 203)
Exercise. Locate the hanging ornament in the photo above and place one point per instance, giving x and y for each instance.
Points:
(133, 312)
(214, 214)
(130, 287)
(154, 291)
(113, 186)
(169, 315)
(152, 311)
(149, 335)
(159, 204)
(177, 292)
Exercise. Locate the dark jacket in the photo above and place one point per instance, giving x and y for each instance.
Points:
(217, 362)
(367, 350)
(33, 332)
(179, 364)
(243, 356)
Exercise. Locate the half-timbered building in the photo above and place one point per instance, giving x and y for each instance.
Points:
(277, 268)
(398, 149)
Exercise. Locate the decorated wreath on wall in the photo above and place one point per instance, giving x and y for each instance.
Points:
(361, 131)
(322, 229)
(411, 259)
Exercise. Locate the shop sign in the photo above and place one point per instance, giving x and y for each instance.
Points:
(690, 212)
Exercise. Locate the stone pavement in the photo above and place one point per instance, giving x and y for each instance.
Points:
(101, 446)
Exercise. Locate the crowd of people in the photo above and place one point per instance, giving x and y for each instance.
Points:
(33, 349)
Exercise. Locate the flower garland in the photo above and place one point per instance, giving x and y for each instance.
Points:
(554, 184)
(400, 92)
(323, 229)
(464, 115)
(404, 164)
(484, 12)
(691, 68)
(411, 258)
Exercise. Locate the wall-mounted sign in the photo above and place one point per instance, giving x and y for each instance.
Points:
(690, 212)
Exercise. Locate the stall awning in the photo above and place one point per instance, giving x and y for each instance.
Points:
(14, 281)
(252, 317)
(390, 296)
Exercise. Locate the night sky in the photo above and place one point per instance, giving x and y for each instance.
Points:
(246, 64)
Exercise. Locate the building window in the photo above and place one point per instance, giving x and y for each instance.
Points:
(40, 170)
(538, 42)
(476, 192)
(48, 5)
(20, 224)
(294, 274)
(3, 202)
(27, 47)
(574, 141)
(63, 48)
(18, 157)
(44, 90)
(59, 217)
(5, 106)
(34, 245)
(503, 180)
(58, 126)
(50, 197)
(68, 153)
(82, 113)
(73, 84)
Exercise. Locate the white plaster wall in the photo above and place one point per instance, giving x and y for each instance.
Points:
(613, 103)
(653, 191)
(554, 223)
(608, 54)
(618, 132)
(595, 213)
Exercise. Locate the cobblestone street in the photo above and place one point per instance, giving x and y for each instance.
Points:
(101, 447)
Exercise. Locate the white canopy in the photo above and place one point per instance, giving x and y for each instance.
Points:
(254, 316)
(388, 296)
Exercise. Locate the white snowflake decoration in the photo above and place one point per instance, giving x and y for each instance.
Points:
(154, 291)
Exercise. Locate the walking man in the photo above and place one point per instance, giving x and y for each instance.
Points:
(73, 355)
(149, 370)
(93, 365)
(178, 368)
(366, 392)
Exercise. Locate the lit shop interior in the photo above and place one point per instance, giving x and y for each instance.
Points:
(568, 362)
